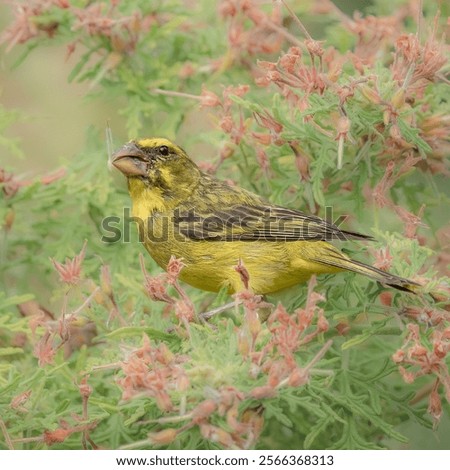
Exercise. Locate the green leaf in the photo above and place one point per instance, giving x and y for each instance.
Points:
(411, 135)
(14, 300)
(320, 426)
(79, 66)
(11, 351)
(129, 331)
(358, 339)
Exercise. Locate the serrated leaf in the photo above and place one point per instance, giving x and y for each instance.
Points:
(274, 411)
(321, 425)
(79, 66)
(411, 135)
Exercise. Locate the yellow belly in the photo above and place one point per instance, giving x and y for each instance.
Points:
(210, 265)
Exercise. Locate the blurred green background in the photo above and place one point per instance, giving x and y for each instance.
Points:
(55, 116)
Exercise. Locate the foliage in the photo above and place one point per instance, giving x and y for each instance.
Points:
(98, 351)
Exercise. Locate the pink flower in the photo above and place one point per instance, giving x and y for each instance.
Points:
(70, 271)
(44, 349)
(265, 391)
(209, 99)
(174, 268)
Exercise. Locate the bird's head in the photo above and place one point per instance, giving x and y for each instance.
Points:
(157, 163)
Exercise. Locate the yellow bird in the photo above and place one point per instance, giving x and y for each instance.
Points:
(211, 225)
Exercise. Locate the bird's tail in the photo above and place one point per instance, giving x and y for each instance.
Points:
(337, 259)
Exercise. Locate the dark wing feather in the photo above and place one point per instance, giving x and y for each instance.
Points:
(248, 222)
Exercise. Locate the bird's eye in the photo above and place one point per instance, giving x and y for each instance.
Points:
(164, 150)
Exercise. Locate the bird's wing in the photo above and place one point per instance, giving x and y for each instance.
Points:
(247, 222)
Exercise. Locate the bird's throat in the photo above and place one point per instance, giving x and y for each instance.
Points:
(146, 199)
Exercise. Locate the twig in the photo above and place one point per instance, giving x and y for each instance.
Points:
(320, 354)
(297, 20)
(109, 141)
(111, 366)
(168, 419)
(280, 30)
(222, 308)
(179, 94)
(313, 362)
(84, 304)
(24, 440)
(136, 444)
(419, 20)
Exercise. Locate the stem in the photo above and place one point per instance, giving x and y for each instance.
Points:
(179, 94)
(111, 366)
(24, 440)
(217, 310)
(340, 154)
(313, 362)
(419, 20)
(136, 445)
(290, 37)
(320, 354)
(85, 303)
(297, 20)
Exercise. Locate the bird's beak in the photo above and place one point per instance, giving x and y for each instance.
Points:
(130, 160)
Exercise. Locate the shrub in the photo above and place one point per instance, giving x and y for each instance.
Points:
(351, 116)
